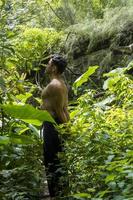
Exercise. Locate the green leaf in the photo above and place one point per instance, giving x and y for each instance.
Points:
(115, 72)
(103, 193)
(28, 114)
(130, 153)
(19, 132)
(82, 195)
(112, 185)
(4, 140)
(130, 66)
(130, 175)
(110, 158)
(110, 177)
(21, 139)
(110, 82)
(35, 130)
(84, 77)
(23, 98)
(106, 101)
(97, 199)
(16, 139)
(119, 197)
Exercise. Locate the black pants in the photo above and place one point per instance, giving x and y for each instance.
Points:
(52, 146)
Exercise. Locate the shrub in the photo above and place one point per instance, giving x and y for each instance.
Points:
(34, 44)
(99, 149)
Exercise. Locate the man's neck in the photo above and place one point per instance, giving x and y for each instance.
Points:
(55, 76)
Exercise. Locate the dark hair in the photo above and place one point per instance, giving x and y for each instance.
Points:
(60, 62)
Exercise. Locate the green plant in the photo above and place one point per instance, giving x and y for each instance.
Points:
(99, 148)
(33, 45)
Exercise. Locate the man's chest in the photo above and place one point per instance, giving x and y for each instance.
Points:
(45, 93)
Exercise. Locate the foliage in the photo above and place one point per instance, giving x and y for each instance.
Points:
(33, 45)
(21, 167)
(99, 148)
(20, 171)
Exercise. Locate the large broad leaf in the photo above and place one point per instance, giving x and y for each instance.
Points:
(84, 77)
(28, 114)
(115, 72)
(119, 71)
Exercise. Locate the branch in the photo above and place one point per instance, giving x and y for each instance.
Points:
(124, 49)
(56, 13)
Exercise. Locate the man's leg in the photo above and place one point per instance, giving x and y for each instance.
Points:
(52, 146)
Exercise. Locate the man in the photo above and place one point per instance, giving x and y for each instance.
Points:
(55, 101)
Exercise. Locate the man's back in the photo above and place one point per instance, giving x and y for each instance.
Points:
(55, 99)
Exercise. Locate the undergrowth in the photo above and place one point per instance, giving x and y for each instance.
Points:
(99, 144)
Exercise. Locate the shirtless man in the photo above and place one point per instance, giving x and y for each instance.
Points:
(55, 101)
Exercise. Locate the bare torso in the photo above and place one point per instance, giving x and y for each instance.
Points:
(55, 99)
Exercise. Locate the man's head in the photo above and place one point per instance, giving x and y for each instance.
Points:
(56, 64)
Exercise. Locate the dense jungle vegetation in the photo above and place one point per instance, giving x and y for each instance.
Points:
(96, 37)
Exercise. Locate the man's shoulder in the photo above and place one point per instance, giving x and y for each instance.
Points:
(55, 83)
(54, 87)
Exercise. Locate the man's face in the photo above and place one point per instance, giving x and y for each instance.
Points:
(49, 68)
